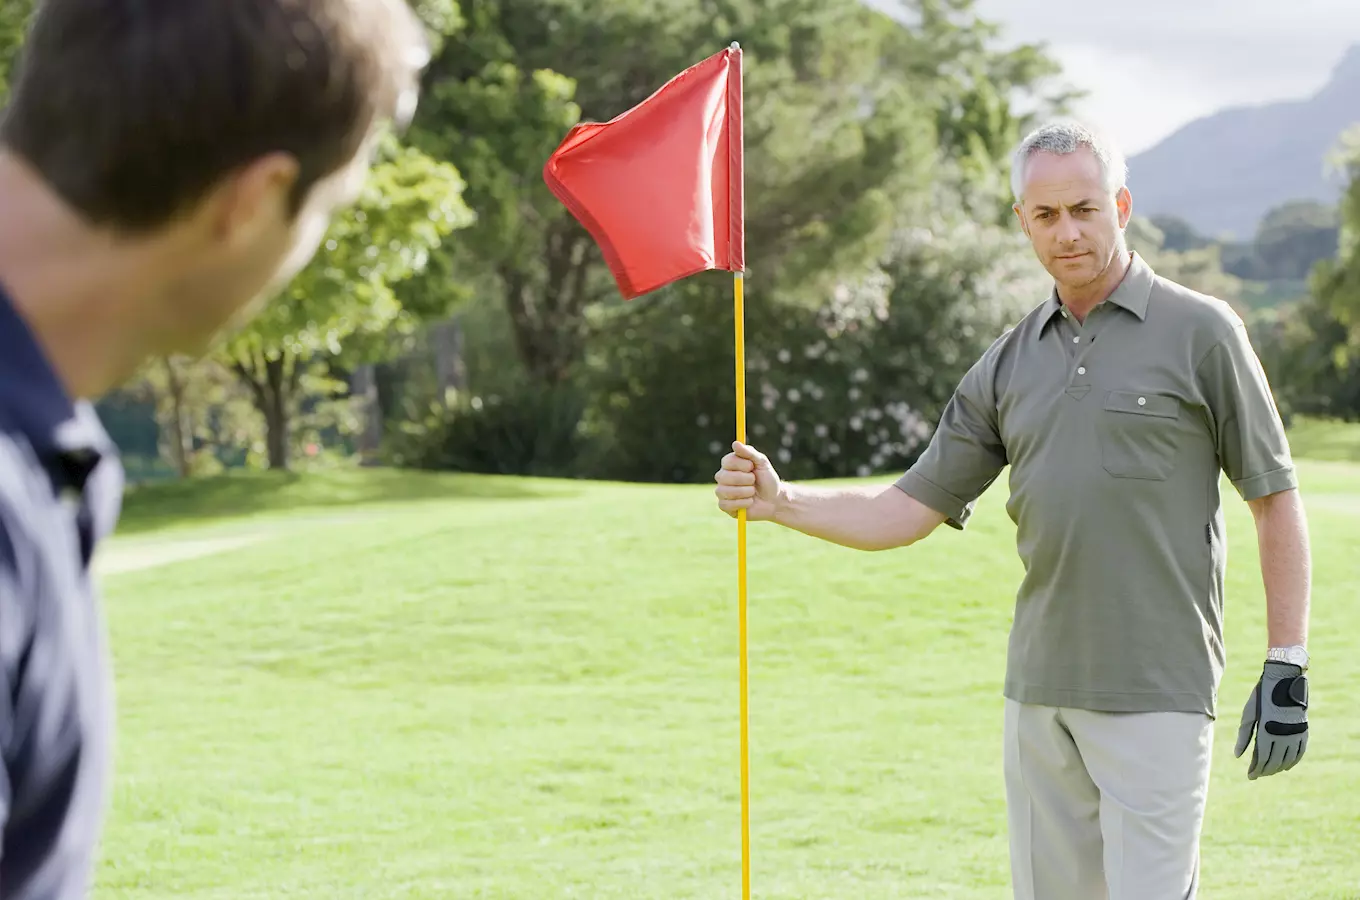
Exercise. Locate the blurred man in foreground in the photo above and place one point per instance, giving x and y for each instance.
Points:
(1116, 403)
(164, 166)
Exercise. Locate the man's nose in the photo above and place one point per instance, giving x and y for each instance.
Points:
(1067, 231)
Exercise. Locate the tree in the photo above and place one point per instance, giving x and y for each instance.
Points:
(204, 416)
(843, 104)
(1178, 235)
(852, 387)
(410, 204)
(1336, 282)
(1198, 268)
(1294, 236)
(13, 20)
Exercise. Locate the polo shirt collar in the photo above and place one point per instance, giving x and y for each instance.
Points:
(1132, 294)
(33, 399)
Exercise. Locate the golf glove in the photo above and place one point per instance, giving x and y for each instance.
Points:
(1278, 714)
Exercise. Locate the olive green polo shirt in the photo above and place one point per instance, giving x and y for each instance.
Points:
(1115, 432)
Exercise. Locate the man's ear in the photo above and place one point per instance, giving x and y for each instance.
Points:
(253, 198)
(1124, 203)
(1020, 217)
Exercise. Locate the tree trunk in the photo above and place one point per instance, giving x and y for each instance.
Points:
(273, 381)
(548, 319)
(446, 340)
(181, 428)
(364, 388)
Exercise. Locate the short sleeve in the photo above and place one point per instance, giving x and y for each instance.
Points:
(1249, 436)
(965, 455)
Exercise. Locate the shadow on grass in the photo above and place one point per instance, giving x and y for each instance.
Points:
(239, 494)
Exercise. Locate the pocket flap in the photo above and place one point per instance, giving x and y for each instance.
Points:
(1143, 404)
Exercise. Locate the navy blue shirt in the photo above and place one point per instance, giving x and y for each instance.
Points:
(60, 492)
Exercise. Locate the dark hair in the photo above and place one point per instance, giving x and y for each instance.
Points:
(133, 109)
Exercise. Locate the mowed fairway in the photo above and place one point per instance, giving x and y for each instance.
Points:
(455, 687)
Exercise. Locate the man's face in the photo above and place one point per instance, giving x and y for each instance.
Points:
(253, 248)
(1072, 219)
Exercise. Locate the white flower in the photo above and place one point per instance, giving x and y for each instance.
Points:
(794, 396)
(856, 423)
(834, 449)
(784, 455)
(784, 355)
(820, 431)
(854, 394)
(702, 420)
(715, 448)
(864, 471)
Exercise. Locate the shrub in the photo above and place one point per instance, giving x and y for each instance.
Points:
(526, 430)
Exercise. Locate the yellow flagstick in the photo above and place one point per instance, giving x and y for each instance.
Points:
(740, 315)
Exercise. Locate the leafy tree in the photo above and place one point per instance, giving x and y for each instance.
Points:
(1198, 268)
(1178, 235)
(410, 204)
(843, 104)
(1336, 282)
(204, 416)
(853, 387)
(13, 20)
(1295, 236)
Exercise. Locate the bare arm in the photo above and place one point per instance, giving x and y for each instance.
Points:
(1282, 535)
(862, 518)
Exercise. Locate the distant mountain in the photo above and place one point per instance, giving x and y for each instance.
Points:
(1222, 173)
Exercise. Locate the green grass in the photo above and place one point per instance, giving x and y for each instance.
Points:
(422, 686)
(1323, 439)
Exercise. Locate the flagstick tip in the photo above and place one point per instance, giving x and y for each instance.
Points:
(735, 46)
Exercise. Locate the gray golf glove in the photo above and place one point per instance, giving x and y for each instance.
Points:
(1278, 714)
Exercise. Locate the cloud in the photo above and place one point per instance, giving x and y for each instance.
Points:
(1152, 67)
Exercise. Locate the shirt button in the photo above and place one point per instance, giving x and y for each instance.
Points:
(1076, 340)
(1081, 370)
(1142, 401)
(1064, 312)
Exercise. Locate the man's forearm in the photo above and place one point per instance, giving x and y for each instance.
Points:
(1282, 535)
(863, 518)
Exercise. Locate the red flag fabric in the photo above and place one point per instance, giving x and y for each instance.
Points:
(660, 186)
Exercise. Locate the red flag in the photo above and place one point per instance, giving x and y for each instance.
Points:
(659, 187)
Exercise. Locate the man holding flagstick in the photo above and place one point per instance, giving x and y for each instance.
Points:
(1117, 403)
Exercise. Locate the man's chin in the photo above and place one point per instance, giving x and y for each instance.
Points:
(1073, 271)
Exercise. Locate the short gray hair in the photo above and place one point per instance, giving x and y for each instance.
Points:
(1065, 137)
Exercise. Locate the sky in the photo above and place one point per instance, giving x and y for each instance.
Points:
(1151, 66)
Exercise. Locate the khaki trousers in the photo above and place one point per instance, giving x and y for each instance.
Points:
(1105, 806)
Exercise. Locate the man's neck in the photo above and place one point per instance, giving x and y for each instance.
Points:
(1081, 300)
(76, 288)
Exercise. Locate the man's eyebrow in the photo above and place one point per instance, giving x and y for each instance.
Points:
(1043, 207)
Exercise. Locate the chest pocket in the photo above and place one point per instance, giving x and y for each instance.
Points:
(1139, 435)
